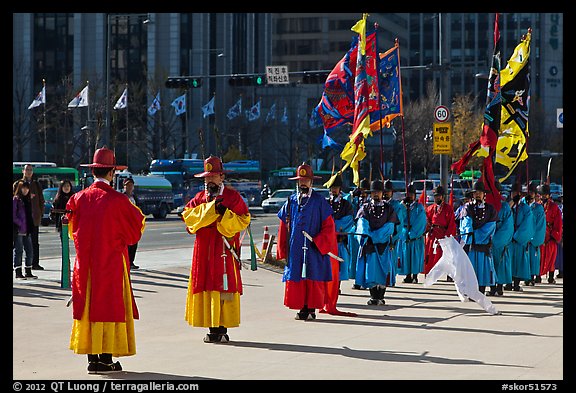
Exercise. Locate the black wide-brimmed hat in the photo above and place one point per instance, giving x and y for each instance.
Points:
(337, 181)
(439, 190)
(388, 186)
(364, 184)
(478, 186)
(377, 185)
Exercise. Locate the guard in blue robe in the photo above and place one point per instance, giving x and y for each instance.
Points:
(401, 212)
(357, 198)
(308, 269)
(538, 235)
(523, 232)
(411, 237)
(500, 247)
(477, 228)
(375, 224)
(343, 215)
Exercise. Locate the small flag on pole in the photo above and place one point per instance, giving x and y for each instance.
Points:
(40, 99)
(155, 106)
(179, 104)
(235, 110)
(122, 101)
(80, 100)
(208, 109)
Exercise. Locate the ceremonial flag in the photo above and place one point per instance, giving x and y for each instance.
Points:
(336, 106)
(271, 113)
(235, 110)
(515, 89)
(389, 88)
(254, 112)
(80, 100)
(208, 109)
(354, 151)
(40, 99)
(122, 101)
(155, 106)
(329, 142)
(179, 104)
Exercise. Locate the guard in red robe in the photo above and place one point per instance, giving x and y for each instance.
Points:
(554, 228)
(103, 222)
(440, 223)
(216, 216)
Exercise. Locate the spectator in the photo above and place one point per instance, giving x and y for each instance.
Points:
(59, 204)
(129, 192)
(37, 203)
(22, 227)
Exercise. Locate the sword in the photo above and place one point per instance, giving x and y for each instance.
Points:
(232, 251)
(307, 236)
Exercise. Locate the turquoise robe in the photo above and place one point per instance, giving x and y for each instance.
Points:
(523, 232)
(539, 217)
(500, 245)
(378, 267)
(482, 262)
(411, 240)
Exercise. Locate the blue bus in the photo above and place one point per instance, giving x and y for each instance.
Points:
(242, 175)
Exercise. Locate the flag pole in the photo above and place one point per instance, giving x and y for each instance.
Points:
(45, 144)
(127, 127)
(88, 122)
(402, 117)
(381, 166)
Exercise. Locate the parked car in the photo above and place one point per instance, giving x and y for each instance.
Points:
(276, 200)
(49, 195)
(430, 185)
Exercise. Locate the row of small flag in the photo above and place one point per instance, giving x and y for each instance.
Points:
(179, 104)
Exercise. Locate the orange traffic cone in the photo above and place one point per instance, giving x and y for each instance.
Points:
(265, 240)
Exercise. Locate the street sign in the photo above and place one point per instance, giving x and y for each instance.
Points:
(277, 75)
(441, 113)
(442, 137)
(559, 117)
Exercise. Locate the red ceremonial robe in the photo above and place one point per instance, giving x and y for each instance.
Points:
(207, 271)
(549, 249)
(103, 223)
(440, 223)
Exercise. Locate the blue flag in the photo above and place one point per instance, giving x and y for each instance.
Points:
(284, 119)
(179, 104)
(271, 113)
(254, 112)
(235, 110)
(208, 109)
(155, 106)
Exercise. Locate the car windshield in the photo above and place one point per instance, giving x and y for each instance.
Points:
(282, 194)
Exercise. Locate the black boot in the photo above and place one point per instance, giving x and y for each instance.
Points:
(106, 365)
(29, 273)
(482, 289)
(551, 278)
(492, 291)
(516, 286)
(19, 275)
(499, 289)
(92, 364)
(415, 278)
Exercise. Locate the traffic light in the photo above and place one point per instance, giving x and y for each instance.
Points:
(247, 80)
(183, 82)
(313, 77)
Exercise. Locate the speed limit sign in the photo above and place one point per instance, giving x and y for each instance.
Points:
(441, 113)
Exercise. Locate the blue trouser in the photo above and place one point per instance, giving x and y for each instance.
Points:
(23, 243)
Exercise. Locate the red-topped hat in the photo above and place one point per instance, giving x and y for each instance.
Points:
(212, 166)
(104, 158)
(304, 171)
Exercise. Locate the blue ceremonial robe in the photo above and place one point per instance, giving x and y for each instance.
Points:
(482, 262)
(411, 240)
(523, 232)
(378, 263)
(345, 224)
(401, 213)
(308, 217)
(500, 244)
(539, 218)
